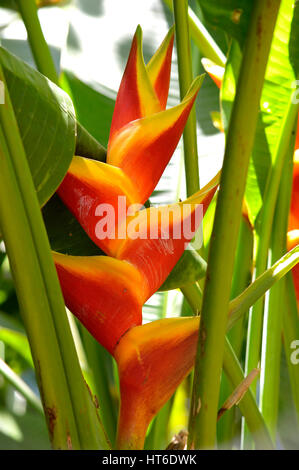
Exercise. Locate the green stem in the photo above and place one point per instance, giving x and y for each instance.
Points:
(20, 386)
(39, 47)
(259, 287)
(272, 328)
(291, 334)
(193, 294)
(100, 362)
(202, 38)
(235, 375)
(240, 304)
(70, 412)
(263, 236)
(241, 279)
(240, 138)
(180, 8)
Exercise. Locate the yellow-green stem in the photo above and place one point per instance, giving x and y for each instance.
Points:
(180, 8)
(39, 47)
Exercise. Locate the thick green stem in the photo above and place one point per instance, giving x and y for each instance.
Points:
(240, 138)
(71, 415)
(180, 8)
(241, 279)
(39, 47)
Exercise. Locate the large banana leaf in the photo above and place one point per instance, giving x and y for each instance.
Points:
(282, 70)
(277, 92)
(232, 16)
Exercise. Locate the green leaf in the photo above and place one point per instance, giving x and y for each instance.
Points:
(190, 268)
(64, 231)
(46, 121)
(17, 341)
(94, 109)
(282, 70)
(230, 15)
(276, 95)
(21, 386)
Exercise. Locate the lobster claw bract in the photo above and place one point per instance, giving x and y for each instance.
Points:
(152, 360)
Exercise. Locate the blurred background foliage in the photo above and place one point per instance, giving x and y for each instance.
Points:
(90, 42)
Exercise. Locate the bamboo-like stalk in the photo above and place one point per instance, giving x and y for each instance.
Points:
(263, 235)
(180, 8)
(233, 372)
(240, 137)
(272, 328)
(264, 225)
(291, 333)
(71, 415)
(242, 277)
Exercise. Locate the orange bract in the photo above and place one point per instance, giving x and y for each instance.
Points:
(152, 361)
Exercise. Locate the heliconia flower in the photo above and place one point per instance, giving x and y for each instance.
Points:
(152, 360)
(142, 139)
(107, 293)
